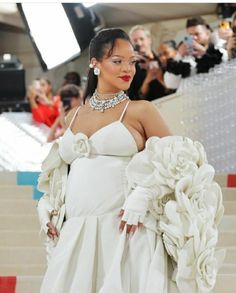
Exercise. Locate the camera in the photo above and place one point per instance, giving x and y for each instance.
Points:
(137, 47)
(153, 64)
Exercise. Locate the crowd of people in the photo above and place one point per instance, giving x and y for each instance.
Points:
(51, 109)
(159, 71)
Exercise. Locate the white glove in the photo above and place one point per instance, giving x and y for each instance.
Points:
(137, 204)
(45, 210)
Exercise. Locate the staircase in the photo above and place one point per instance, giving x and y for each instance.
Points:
(22, 255)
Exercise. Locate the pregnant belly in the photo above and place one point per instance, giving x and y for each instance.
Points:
(95, 186)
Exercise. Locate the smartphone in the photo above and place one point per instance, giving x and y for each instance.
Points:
(136, 48)
(188, 40)
(224, 25)
(153, 64)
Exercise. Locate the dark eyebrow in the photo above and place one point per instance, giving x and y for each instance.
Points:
(122, 56)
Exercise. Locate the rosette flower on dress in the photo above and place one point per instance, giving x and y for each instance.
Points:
(81, 145)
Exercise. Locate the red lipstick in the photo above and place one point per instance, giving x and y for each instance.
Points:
(125, 78)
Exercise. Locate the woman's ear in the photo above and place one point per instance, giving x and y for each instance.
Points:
(93, 62)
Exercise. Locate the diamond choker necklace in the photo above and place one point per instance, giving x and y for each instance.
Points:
(102, 105)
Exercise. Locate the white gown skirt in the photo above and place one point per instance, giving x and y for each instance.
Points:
(91, 255)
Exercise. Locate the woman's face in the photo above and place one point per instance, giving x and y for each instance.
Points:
(166, 52)
(46, 88)
(140, 38)
(199, 33)
(117, 70)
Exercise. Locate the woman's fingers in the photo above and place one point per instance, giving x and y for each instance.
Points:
(52, 231)
(130, 229)
(121, 213)
(122, 226)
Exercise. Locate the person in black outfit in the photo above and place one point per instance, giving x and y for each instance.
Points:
(199, 56)
(148, 81)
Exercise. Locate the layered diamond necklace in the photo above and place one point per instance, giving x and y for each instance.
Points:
(96, 103)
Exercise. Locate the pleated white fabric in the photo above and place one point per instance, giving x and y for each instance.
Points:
(92, 256)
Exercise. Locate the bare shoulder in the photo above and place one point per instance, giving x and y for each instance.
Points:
(150, 118)
(143, 108)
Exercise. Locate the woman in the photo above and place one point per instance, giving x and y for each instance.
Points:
(44, 106)
(110, 241)
(70, 96)
(167, 50)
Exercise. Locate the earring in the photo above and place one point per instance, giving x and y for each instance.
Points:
(96, 71)
(90, 65)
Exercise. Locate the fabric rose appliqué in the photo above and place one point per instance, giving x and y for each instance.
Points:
(81, 145)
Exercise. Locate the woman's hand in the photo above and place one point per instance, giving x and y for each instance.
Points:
(43, 99)
(52, 231)
(130, 228)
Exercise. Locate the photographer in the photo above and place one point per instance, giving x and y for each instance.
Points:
(198, 53)
(70, 98)
(148, 81)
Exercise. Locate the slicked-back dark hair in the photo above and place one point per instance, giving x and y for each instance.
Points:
(103, 41)
(197, 20)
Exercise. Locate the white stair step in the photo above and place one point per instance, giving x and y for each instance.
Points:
(228, 223)
(224, 283)
(24, 206)
(228, 269)
(22, 255)
(20, 238)
(28, 284)
(19, 222)
(229, 194)
(227, 239)
(15, 192)
(221, 179)
(230, 207)
(230, 257)
(7, 178)
(22, 270)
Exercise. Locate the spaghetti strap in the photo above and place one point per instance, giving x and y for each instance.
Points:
(73, 118)
(123, 113)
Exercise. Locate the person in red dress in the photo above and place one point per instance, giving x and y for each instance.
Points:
(44, 106)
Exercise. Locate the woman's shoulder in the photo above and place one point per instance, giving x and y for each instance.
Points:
(141, 104)
(142, 107)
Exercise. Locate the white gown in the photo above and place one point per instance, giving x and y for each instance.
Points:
(92, 256)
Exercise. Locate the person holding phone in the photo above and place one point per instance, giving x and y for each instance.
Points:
(71, 97)
(231, 44)
(44, 105)
(198, 53)
(148, 81)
